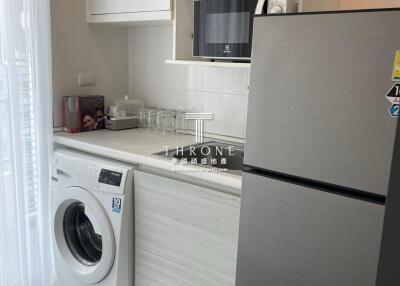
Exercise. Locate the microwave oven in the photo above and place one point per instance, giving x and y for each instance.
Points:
(223, 29)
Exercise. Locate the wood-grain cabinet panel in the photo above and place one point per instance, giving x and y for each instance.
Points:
(185, 234)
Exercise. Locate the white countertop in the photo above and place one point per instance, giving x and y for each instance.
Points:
(136, 146)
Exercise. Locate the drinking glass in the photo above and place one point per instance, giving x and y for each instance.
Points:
(170, 121)
(152, 118)
(180, 121)
(160, 119)
(143, 117)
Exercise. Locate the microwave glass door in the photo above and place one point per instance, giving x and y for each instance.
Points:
(223, 28)
(228, 28)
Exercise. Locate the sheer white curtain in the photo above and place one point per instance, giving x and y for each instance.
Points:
(25, 143)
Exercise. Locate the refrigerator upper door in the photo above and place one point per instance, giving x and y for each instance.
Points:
(317, 106)
(294, 236)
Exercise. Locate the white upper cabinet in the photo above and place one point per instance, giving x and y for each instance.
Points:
(128, 6)
(100, 11)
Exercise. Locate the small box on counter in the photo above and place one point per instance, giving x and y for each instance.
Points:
(121, 123)
(83, 113)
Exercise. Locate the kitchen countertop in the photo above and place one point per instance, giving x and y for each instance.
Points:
(137, 146)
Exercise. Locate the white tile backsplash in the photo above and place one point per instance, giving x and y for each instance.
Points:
(161, 96)
(219, 90)
(217, 79)
(228, 111)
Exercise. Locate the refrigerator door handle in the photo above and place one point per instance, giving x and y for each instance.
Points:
(318, 185)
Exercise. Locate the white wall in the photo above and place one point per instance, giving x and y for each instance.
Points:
(368, 4)
(222, 91)
(327, 5)
(79, 47)
(320, 5)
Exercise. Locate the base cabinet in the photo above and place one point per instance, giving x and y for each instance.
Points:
(185, 234)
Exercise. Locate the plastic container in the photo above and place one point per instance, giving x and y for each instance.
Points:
(131, 107)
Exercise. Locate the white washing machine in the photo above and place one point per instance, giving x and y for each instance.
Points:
(92, 220)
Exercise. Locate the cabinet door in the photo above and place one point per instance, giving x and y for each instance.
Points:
(185, 234)
(291, 235)
(127, 6)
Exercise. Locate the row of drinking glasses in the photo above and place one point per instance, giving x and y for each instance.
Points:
(163, 119)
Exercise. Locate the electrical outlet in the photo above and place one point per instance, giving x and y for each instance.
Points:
(87, 79)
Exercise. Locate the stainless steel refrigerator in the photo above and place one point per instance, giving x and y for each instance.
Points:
(319, 155)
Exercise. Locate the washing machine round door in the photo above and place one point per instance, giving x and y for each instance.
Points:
(83, 235)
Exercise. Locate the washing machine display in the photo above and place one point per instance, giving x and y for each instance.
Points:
(80, 236)
(110, 178)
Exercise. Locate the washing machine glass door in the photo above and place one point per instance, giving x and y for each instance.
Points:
(83, 235)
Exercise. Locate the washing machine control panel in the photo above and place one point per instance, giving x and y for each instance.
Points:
(93, 174)
(97, 177)
(109, 177)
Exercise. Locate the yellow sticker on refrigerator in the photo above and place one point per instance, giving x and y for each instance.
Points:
(396, 67)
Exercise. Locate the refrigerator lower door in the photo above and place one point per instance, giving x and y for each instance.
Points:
(317, 106)
(295, 236)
